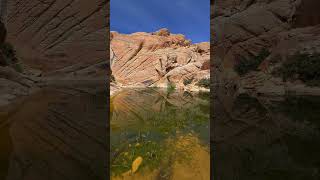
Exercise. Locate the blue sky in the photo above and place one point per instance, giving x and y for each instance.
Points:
(188, 17)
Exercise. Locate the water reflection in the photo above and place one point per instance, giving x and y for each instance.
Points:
(267, 138)
(167, 132)
(58, 133)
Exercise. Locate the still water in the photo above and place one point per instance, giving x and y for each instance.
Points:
(267, 138)
(55, 134)
(157, 134)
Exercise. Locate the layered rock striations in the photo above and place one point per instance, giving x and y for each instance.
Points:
(12, 83)
(53, 40)
(60, 37)
(266, 35)
(244, 29)
(158, 59)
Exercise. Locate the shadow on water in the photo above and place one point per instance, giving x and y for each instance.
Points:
(6, 149)
(267, 138)
(168, 130)
(57, 133)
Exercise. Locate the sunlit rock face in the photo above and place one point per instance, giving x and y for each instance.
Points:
(158, 58)
(54, 34)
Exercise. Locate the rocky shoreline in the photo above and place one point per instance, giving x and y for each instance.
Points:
(115, 88)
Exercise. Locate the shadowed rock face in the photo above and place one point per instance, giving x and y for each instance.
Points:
(307, 14)
(13, 84)
(3, 34)
(158, 58)
(50, 35)
(245, 28)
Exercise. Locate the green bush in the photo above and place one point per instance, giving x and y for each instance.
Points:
(10, 56)
(244, 65)
(171, 87)
(17, 67)
(187, 81)
(112, 79)
(204, 83)
(304, 67)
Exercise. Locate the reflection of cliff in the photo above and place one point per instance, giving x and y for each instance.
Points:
(59, 134)
(260, 139)
(131, 106)
(5, 153)
(169, 130)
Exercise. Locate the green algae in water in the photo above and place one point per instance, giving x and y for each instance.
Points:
(149, 123)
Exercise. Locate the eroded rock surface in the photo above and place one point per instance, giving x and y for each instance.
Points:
(60, 37)
(158, 58)
(242, 29)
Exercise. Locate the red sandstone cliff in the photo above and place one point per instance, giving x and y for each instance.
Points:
(159, 58)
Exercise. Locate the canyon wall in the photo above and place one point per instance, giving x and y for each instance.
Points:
(158, 59)
(254, 138)
(244, 29)
(60, 36)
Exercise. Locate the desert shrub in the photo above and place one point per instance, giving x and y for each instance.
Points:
(245, 65)
(171, 87)
(10, 56)
(304, 67)
(204, 83)
(112, 79)
(17, 67)
(187, 81)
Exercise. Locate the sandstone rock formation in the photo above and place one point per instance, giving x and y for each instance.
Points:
(60, 37)
(56, 40)
(251, 134)
(13, 84)
(46, 136)
(245, 28)
(158, 58)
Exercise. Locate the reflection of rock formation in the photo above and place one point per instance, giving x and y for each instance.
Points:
(5, 153)
(156, 58)
(132, 106)
(171, 128)
(59, 134)
(256, 139)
